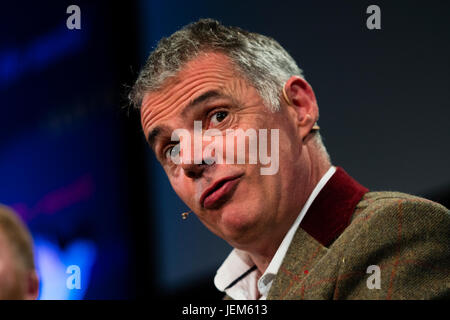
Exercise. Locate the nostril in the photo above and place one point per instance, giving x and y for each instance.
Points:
(191, 174)
(195, 171)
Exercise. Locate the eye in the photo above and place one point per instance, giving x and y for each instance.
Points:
(172, 151)
(218, 117)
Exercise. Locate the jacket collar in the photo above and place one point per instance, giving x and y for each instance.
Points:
(331, 211)
(326, 219)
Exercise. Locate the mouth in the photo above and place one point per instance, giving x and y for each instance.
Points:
(219, 192)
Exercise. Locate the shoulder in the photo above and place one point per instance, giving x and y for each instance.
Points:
(394, 217)
(407, 237)
(396, 225)
(385, 207)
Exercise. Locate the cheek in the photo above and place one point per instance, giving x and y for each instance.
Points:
(178, 186)
(185, 190)
(290, 145)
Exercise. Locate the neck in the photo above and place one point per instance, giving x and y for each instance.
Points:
(264, 252)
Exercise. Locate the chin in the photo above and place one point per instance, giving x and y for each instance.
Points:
(236, 223)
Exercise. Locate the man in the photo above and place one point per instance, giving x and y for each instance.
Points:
(18, 277)
(306, 230)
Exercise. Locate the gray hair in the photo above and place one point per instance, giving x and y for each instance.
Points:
(260, 59)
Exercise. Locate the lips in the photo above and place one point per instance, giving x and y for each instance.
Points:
(219, 192)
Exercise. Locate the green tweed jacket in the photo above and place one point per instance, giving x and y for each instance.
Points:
(355, 244)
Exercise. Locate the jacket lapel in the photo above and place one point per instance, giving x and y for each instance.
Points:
(303, 253)
(329, 215)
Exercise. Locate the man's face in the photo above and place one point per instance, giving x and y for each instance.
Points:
(235, 201)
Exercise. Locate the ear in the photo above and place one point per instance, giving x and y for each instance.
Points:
(302, 104)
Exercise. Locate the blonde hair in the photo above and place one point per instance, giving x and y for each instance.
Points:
(18, 236)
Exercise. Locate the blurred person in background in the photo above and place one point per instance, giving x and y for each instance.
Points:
(18, 276)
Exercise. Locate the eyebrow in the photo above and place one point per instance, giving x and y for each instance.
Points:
(200, 99)
(154, 134)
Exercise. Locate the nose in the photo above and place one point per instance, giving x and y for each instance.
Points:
(194, 160)
(195, 170)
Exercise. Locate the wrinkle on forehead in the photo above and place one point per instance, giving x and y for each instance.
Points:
(209, 71)
(177, 97)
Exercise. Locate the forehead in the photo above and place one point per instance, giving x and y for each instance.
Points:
(208, 72)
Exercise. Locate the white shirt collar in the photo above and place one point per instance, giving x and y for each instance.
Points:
(238, 262)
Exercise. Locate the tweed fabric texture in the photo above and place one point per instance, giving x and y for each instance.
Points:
(407, 237)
